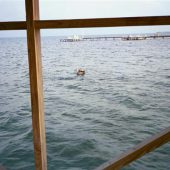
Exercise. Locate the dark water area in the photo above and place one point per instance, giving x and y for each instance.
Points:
(122, 99)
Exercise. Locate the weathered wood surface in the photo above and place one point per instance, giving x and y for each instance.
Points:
(35, 68)
(138, 151)
(85, 23)
(16, 25)
(104, 22)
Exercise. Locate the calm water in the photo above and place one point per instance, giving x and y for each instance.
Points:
(123, 98)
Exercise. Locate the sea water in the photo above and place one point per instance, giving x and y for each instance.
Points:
(123, 98)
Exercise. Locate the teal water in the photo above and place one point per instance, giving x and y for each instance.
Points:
(123, 99)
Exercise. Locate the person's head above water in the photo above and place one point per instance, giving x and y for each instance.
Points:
(80, 71)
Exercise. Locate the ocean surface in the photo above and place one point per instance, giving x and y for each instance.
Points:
(123, 99)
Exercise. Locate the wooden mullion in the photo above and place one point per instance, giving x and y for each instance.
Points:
(36, 86)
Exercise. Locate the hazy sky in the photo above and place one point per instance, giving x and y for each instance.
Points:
(11, 10)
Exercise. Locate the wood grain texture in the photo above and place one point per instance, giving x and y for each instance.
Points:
(138, 151)
(103, 22)
(85, 23)
(15, 25)
(35, 69)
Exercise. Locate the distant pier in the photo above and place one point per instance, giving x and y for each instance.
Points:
(106, 38)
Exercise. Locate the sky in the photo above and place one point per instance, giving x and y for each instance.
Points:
(14, 10)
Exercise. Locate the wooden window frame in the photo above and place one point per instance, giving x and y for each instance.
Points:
(33, 25)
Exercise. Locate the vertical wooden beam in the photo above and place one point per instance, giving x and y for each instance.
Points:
(36, 86)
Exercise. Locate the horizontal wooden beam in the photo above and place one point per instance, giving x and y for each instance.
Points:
(87, 23)
(138, 151)
(103, 22)
(15, 25)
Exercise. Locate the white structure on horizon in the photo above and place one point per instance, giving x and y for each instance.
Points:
(74, 38)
